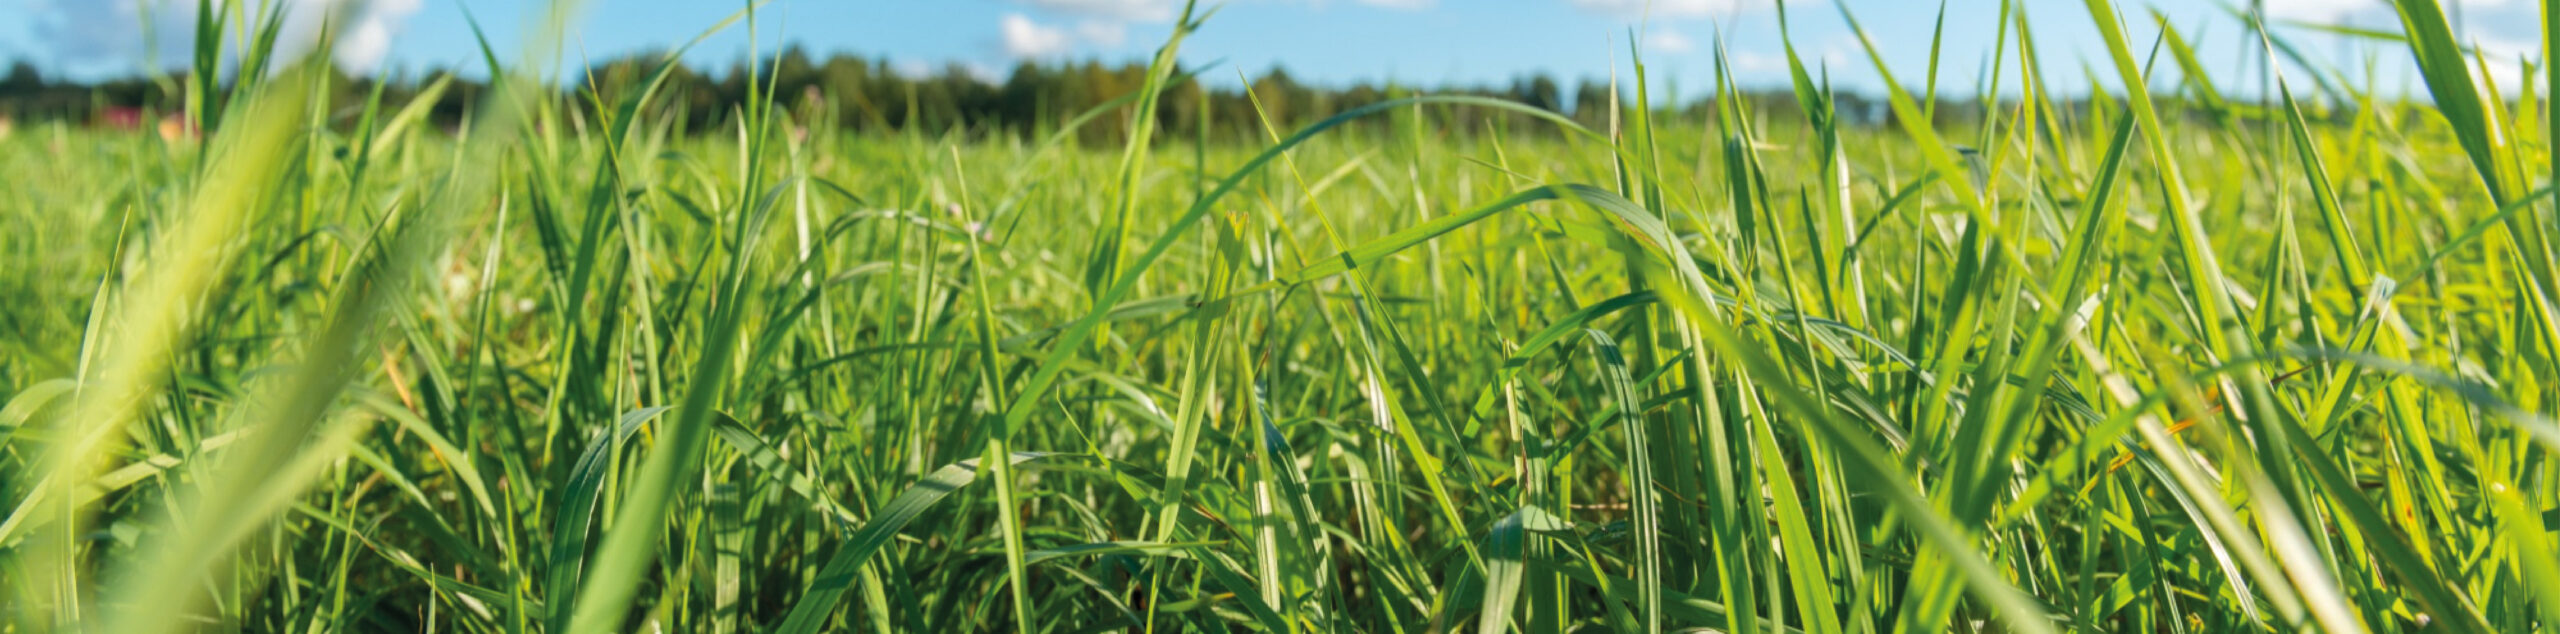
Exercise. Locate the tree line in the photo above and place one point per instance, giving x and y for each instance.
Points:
(857, 93)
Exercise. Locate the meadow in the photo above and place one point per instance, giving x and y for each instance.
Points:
(2149, 361)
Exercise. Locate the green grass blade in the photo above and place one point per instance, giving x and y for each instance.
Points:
(809, 613)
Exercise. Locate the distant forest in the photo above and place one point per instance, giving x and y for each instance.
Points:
(855, 93)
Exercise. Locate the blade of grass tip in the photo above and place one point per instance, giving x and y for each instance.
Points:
(2204, 271)
(1133, 157)
(1987, 95)
(1937, 38)
(2191, 70)
(1916, 123)
(2332, 213)
(203, 108)
(1652, 147)
(1197, 367)
(1823, 114)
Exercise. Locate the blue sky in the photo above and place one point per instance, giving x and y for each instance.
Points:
(1325, 41)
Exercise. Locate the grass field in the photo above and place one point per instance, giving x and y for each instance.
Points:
(2150, 363)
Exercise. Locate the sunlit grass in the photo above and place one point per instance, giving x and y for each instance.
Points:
(2176, 362)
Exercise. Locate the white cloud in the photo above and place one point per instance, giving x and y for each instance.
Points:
(2332, 10)
(115, 35)
(2503, 32)
(1672, 8)
(2505, 58)
(1833, 55)
(86, 33)
(2318, 10)
(1751, 62)
(1024, 38)
(1102, 33)
(1122, 10)
(364, 32)
(912, 68)
(1668, 41)
(983, 72)
(2499, 47)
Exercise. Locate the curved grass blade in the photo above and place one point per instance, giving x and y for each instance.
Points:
(27, 402)
(1647, 523)
(578, 497)
(809, 614)
(1506, 563)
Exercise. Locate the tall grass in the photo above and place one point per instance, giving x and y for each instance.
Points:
(2171, 360)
